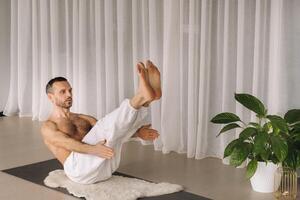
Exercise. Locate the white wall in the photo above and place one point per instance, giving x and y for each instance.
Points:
(4, 51)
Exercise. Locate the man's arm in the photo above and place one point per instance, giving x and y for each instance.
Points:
(59, 139)
(92, 120)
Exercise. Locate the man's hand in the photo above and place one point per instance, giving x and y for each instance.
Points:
(103, 151)
(146, 133)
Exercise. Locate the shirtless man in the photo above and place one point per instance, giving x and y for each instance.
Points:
(90, 150)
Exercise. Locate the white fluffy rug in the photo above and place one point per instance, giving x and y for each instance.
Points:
(115, 188)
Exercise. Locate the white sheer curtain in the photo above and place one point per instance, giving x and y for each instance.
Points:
(206, 50)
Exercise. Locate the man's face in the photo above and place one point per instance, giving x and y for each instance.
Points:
(61, 94)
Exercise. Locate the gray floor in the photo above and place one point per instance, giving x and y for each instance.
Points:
(21, 144)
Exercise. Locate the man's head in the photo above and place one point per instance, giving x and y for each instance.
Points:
(59, 92)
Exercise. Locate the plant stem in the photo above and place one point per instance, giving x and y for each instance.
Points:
(293, 124)
(259, 121)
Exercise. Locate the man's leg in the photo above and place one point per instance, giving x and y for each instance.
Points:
(123, 118)
(115, 127)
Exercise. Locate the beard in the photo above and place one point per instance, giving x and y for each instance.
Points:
(65, 104)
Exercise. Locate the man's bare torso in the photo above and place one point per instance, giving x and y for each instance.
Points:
(75, 127)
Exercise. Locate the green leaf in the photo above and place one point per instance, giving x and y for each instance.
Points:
(251, 168)
(274, 159)
(247, 132)
(292, 160)
(228, 127)
(255, 125)
(265, 154)
(239, 155)
(296, 127)
(260, 142)
(278, 122)
(292, 116)
(267, 126)
(252, 103)
(296, 137)
(280, 147)
(224, 118)
(229, 148)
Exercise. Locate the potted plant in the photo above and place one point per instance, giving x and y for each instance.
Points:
(265, 142)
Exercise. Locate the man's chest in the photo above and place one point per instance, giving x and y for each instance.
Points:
(75, 127)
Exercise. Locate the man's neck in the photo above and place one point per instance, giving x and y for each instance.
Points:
(61, 112)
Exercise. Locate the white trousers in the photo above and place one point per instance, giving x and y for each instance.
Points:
(116, 128)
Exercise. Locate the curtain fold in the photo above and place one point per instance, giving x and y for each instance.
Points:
(206, 51)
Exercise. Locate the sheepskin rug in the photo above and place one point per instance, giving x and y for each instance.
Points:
(115, 188)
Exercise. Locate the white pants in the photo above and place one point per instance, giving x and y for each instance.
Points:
(116, 127)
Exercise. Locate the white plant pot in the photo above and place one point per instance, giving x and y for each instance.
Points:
(263, 179)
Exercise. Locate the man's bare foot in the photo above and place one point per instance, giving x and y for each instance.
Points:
(154, 78)
(145, 90)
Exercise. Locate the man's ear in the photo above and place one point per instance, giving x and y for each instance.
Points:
(50, 97)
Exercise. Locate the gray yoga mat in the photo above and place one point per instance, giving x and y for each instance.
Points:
(37, 172)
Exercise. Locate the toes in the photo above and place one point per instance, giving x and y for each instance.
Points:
(150, 67)
(142, 64)
(149, 64)
(140, 67)
(155, 68)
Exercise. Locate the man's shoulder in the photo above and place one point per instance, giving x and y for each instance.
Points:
(48, 124)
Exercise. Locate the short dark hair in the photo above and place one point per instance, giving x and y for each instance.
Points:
(52, 81)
